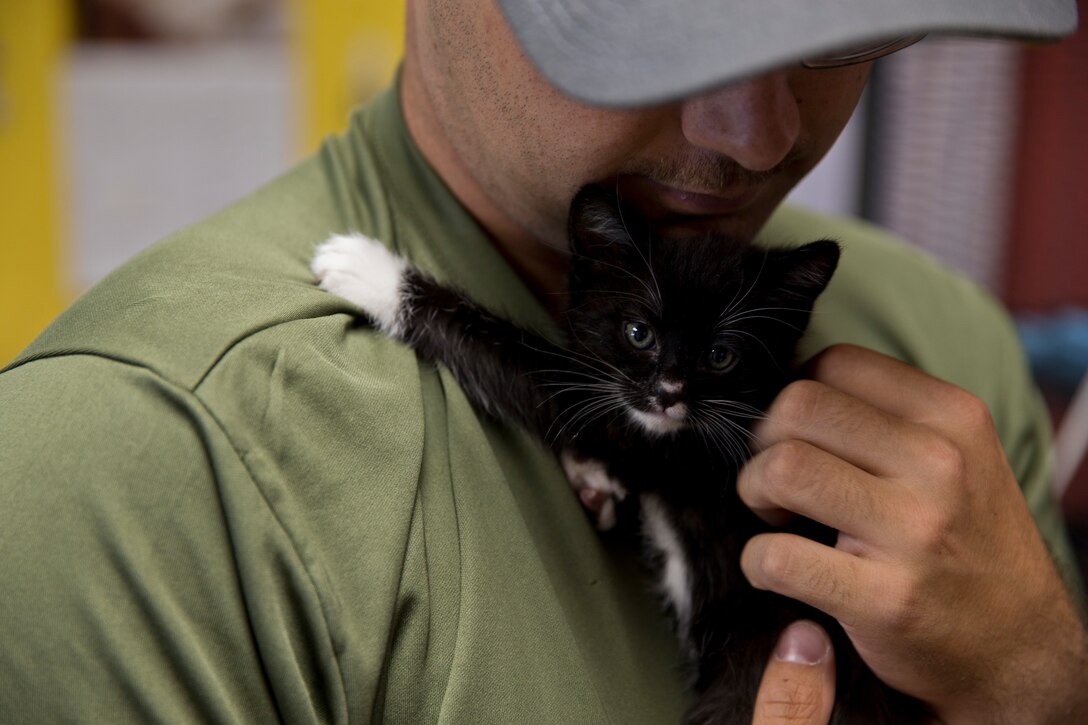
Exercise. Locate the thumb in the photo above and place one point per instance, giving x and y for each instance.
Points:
(798, 686)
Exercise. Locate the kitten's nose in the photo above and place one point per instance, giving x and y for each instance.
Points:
(668, 386)
(670, 396)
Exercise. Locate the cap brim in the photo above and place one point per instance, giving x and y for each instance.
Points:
(635, 52)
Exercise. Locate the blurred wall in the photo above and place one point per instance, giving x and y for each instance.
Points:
(1048, 255)
(112, 140)
(942, 150)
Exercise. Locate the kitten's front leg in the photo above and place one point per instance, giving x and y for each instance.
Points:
(363, 271)
(598, 491)
(507, 372)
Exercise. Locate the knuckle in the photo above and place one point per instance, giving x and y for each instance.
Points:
(840, 355)
(968, 410)
(899, 613)
(780, 562)
(937, 534)
(785, 566)
(784, 464)
(795, 473)
(947, 462)
(800, 401)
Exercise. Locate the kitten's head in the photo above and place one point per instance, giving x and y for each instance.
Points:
(696, 333)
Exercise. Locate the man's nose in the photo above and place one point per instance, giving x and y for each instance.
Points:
(755, 122)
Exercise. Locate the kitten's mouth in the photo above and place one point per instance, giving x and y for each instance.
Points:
(670, 420)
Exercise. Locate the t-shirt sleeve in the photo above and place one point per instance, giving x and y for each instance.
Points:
(121, 596)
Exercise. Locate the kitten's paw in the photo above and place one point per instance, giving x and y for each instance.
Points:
(364, 272)
(598, 491)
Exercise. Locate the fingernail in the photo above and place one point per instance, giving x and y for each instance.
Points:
(802, 643)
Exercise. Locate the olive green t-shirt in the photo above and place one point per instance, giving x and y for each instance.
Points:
(224, 499)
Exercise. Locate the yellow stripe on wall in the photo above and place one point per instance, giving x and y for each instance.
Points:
(346, 50)
(33, 36)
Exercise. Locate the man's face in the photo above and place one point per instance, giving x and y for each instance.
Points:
(718, 161)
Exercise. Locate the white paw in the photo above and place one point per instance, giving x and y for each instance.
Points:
(364, 272)
(598, 492)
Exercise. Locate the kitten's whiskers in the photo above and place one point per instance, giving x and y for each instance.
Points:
(735, 303)
(645, 260)
(583, 360)
(586, 412)
(653, 293)
(720, 431)
(750, 315)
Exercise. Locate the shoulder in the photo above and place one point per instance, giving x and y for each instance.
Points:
(893, 297)
(203, 430)
(179, 306)
(225, 317)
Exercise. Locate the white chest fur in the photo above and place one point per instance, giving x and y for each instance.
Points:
(675, 573)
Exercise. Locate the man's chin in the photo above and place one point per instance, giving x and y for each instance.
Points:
(739, 214)
(678, 226)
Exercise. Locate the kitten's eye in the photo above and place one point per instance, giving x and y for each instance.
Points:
(720, 358)
(639, 334)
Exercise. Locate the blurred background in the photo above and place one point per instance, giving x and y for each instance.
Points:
(122, 121)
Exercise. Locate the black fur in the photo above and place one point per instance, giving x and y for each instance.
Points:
(696, 294)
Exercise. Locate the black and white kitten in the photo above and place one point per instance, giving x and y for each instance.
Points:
(674, 347)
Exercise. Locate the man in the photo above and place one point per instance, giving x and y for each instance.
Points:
(225, 499)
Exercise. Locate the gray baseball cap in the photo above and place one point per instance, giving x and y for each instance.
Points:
(633, 52)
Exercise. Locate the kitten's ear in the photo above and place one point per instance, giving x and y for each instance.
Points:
(596, 220)
(804, 272)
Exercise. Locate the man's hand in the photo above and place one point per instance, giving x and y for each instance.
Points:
(798, 686)
(939, 575)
